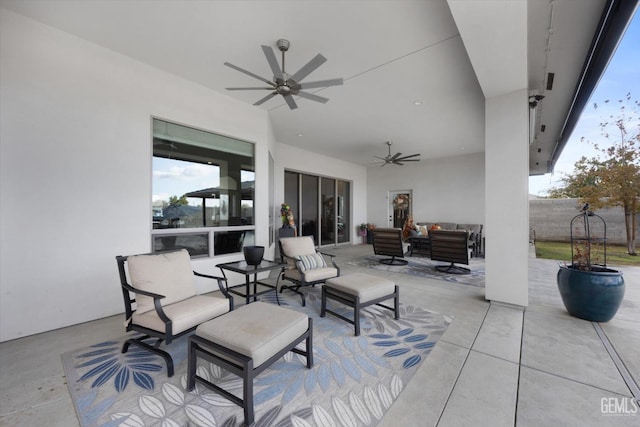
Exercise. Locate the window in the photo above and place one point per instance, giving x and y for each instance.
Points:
(201, 180)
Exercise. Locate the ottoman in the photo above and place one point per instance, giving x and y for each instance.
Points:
(358, 291)
(247, 341)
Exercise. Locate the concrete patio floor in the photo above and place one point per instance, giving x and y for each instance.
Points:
(496, 365)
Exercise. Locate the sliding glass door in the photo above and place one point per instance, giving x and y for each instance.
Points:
(324, 207)
(309, 207)
(328, 212)
(343, 213)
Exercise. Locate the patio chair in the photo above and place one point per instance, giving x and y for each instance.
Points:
(161, 302)
(305, 265)
(452, 247)
(388, 241)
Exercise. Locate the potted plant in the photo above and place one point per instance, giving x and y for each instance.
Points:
(363, 230)
(589, 289)
(370, 228)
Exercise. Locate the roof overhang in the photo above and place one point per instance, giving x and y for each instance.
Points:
(553, 74)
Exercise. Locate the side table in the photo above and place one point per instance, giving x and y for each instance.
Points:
(242, 267)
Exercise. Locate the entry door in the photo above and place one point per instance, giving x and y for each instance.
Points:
(400, 206)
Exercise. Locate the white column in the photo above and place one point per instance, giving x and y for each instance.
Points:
(507, 202)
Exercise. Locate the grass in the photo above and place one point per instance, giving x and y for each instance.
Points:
(561, 251)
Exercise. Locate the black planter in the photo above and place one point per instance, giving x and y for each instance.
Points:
(253, 254)
(369, 237)
(591, 295)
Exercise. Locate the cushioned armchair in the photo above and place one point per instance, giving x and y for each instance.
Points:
(388, 242)
(161, 302)
(305, 265)
(452, 247)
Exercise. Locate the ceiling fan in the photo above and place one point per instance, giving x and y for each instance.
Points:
(396, 159)
(285, 84)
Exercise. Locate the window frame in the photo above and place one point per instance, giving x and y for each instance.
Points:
(210, 231)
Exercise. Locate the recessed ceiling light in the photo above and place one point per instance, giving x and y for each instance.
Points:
(299, 134)
(418, 102)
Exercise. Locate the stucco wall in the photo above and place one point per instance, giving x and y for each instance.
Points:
(446, 190)
(75, 170)
(550, 219)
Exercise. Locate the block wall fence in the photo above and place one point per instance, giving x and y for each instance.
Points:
(549, 220)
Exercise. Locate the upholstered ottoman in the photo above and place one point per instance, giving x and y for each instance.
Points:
(358, 291)
(246, 342)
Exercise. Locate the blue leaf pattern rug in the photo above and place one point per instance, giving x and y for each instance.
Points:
(425, 267)
(353, 382)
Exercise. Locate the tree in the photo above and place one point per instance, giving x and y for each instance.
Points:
(611, 178)
(175, 200)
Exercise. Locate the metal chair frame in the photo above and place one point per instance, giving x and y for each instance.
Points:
(166, 336)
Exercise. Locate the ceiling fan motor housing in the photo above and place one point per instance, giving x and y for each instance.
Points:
(283, 89)
(286, 86)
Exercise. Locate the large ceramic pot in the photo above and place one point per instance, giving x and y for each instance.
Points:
(253, 254)
(591, 295)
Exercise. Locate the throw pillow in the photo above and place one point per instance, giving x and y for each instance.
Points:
(310, 262)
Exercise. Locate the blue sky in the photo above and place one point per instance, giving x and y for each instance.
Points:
(621, 77)
(174, 178)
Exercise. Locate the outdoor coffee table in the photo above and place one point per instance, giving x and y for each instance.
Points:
(242, 267)
(420, 244)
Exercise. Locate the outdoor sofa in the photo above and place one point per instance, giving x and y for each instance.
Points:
(476, 240)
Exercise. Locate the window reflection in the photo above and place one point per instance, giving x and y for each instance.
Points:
(200, 180)
(197, 244)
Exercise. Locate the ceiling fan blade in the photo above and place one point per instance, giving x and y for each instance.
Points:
(290, 102)
(312, 97)
(321, 83)
(395, 156)
(248, 88)
(249, 73)
(273, 62)
(306, 69)
(266, 98)
(381, 158)
(408, 160)
(409, 156)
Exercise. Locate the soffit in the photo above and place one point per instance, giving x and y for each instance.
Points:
(390, 53)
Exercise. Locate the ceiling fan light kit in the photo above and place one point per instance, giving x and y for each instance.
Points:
(285, 84)
(397, 158)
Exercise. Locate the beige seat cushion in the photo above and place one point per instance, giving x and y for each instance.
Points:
(184, 314)
(362, 285)
(168, 274)
(258, 330)
(312, 275)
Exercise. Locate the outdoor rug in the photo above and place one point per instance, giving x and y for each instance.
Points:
(424, 267)
(353, 382)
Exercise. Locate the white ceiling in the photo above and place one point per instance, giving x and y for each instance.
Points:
(390, 54)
